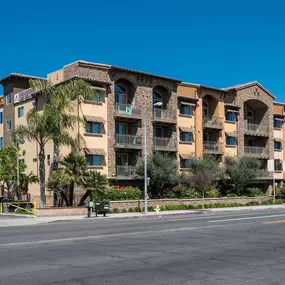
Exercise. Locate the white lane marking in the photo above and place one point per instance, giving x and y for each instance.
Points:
(39, 242)
(246, 218)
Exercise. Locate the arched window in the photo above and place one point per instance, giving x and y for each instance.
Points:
(205, 109)
(156, 98)
(121, 94)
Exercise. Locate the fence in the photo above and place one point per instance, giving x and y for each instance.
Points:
(28, 208)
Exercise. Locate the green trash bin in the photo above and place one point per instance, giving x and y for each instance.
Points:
(102, 208)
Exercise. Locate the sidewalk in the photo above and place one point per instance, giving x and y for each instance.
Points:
(26, 221)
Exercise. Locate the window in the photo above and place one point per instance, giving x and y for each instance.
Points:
(9, 125)
(120, 94)
(205, 109)
(250, 117)
(1, 142)
(94, 160)
(1, 117)
(277, 145)
(278, 165)
(97, 96)
(93, 128)
(35, 159)
(186, 137)
(185, 110)
(156, 98)
(21, 112)
(277, 124)
(158, 132)
(48, 159)
(230, 141)
(230, 117)
(8, 99)
(22, 161)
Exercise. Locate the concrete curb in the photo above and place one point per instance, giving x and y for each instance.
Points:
(18, 215)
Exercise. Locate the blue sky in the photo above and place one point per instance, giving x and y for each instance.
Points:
(217, 43)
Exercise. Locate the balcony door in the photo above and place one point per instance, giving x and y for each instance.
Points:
(205, 109)
(158, 132)
(121, 98)
(250, 116)
(121, 132)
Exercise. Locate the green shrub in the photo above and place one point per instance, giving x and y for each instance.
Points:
(252, 203)
(213, 193)
(137, 209)
(122, 193)
(150, 209)
(181, 192)
(282, 190)
(124, 210)
(278, 201)
(231, 195)
(253, 192)
(130, 210)
(115, 210)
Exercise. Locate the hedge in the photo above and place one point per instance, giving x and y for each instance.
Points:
(197, 207)
(122, 193)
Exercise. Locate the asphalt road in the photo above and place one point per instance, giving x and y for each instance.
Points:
(221, 249)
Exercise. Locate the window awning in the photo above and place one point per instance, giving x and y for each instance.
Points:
(186, 156)
(188, 103)
(94, 151)
(232, 110)
(94, 119)
(186, 129)
(279, 119)
(231, 134)
(98, 88)
(278, 140)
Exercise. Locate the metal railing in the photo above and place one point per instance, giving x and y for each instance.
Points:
(125, 170)
(128, 140)
(164, 143)
(212, 147)
(213, 122)
(165, 114)
(127, 109)
(255, 128)
(256, 150)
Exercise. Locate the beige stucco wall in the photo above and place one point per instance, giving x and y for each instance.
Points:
(278, 133)
(187, 91)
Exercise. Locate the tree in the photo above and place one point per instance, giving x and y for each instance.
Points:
(203, 174)
(8, 170)
(74, 169)
(58, 182)
(95, 186)
(241, 171)
(37, 130)
(163, 173)
(25, 181)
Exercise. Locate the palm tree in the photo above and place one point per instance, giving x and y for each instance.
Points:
(95, 186)
(37, 130)
(26, 180)
(75, 167)
(58, 182)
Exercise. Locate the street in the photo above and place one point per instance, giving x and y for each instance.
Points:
(246, 247)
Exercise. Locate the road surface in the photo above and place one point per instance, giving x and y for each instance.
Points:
(245, 247)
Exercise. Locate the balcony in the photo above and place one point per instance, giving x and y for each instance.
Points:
(211, 147)
(125, 171)
(213, 123)
(128, 111)
(164, 144)
(256, 151)
(128, 141)
(164, 116)
(255, 130)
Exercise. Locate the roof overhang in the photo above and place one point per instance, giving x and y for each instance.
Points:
(14, 76)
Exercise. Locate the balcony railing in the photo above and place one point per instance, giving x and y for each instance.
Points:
(127, 110)
(125, 170)
(166, 144)
(256, 151)
(211, 147)
(213, 122)
(255, 129)
(128, 141)
(164, 115)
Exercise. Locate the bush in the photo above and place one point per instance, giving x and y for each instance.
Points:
(231, 195)
(124, 210)
(253, 192)
(122, 193)
(115, 210)
(213, 193)
(182, 192)
(130, 210)
(282, 190)
(137, 209)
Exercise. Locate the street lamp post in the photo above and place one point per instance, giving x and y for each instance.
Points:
(157, 104)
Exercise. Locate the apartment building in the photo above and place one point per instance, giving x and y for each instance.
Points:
(182, 119)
